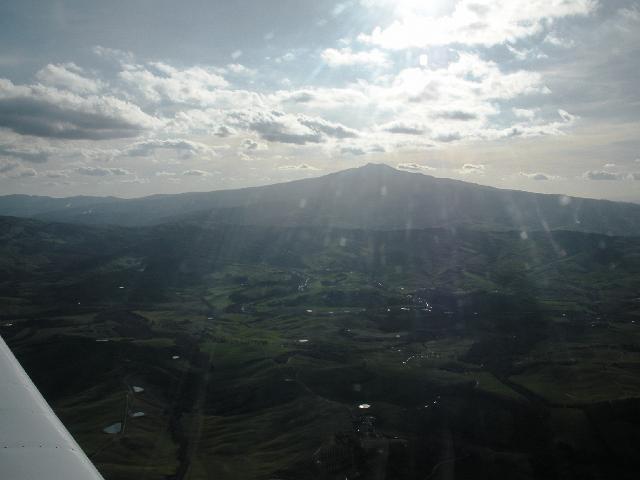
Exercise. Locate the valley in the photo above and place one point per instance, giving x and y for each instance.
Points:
(295, 353)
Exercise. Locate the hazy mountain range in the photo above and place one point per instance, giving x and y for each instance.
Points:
(370, 197)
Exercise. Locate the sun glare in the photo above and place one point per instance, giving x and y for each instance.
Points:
(404, 8)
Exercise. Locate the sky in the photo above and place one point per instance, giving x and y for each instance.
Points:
(137, 97)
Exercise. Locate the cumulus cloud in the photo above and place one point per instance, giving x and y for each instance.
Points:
(159, 82)
(541, 177)
(48, 112)
(473, 22)
(56, 174)
(239, 69)
(27, 153)
(224, 131)
(300, 97)
(455, 115)
(631, 13)
(469, 168)
(403, 128)
(357, 150)
(68, 76)
(23, 173)
(7, 166)
(331, 129)
(603, 175)
(287, 57)
(527, 114)
(250, 144)
(415, 167)
(448, 137)
(101, 171)
(196, 173)
(302, 166)
(346, 57)
(120, 56)
(186, 147)
(277, 126)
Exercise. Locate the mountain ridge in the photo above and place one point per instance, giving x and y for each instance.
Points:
(374, 196)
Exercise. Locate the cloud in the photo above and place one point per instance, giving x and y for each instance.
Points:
(32, 154)
(23, 173)
(631, 13)
(224, 131)
(250, 144)
(535, 129)
(68, 76)
(361, 150)
(7, 166)
(556, 41)
(415, 167)
(120, 56)
(527, 114)
(136, 180)
(345, 57)
(186, 147)
(279, 127)
(300, 97)
(541, 177)
(334, 130)
(473, 22)
(302, 166)
(195, 173)
(402, 128)
(456, 115)
(287, 57)
(239, 69)
(469, 168)
(101, 171)
(602, 175)
(448, 137)
(51, 113)
(56, 174)
(159, 82)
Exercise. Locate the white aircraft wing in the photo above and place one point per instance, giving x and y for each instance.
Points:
(34, 445)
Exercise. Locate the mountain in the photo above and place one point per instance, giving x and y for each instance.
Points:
(369, 197)
(34, 205)
(243, 324)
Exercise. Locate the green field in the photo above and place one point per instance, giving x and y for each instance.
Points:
(478, 354)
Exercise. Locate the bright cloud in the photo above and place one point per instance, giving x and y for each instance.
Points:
(345, 57)
(469, 168)
(161, 82)
(68, 77)
(474, 22)
(413, 83)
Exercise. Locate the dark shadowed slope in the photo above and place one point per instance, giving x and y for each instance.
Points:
(34, 205)
(373, 196)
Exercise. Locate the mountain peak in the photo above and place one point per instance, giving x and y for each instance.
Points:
(377, 167)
